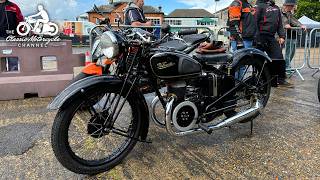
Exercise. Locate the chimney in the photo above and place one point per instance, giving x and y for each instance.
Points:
(160, 8)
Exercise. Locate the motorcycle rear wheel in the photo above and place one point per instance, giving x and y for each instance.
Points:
(253, 69)
(319, 90)
(79, 145)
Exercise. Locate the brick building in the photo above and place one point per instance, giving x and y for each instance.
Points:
(116, 8)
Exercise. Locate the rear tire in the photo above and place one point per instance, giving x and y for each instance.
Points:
(265, 78)
(69, 158)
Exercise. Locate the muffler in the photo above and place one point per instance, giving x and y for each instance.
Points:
(254, 110)
(153, 115)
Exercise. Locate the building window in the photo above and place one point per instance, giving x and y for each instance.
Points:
(98, 21)
(155, 21)
(73, 27)
(10, 64)
(174, 22)
(49, 63)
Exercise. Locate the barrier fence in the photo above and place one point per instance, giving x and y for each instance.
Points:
(313, 53)
(295, 46)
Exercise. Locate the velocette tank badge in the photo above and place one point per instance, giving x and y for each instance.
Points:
(165, 65)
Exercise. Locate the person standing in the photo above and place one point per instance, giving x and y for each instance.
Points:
(289, 22)
(10, 17)
(269, 21)
(134, 14)
(241, 22)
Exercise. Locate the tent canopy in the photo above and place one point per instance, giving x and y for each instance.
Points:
(309, 22)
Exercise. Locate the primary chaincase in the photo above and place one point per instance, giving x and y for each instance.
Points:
(185, 115)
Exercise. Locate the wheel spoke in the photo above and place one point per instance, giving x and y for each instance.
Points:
(86, 135)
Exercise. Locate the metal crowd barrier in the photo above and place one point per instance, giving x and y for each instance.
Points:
(313, 52)
(295, 46)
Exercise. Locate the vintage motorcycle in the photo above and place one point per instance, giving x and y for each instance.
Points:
(102, 117)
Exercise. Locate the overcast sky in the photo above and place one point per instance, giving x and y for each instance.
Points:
(69, 9)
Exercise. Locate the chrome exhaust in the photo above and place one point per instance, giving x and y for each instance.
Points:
(153, 113)
(223, 123)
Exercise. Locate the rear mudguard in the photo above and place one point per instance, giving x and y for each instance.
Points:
(76, 88)
(250, 54)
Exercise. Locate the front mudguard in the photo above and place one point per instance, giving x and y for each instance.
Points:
(76, 88)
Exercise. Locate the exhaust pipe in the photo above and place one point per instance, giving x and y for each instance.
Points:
(153, 115)
(223, 123)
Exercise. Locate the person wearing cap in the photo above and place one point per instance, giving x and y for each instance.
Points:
(269, 21)
(10, 17)
(289, 22)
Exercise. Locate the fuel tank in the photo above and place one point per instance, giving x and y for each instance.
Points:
(171, 65)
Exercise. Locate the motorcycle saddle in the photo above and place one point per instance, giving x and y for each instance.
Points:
(175, 44)
(213, 53)
(218, 58)
(195, 38)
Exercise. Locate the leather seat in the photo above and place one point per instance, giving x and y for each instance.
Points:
(195, 38)
(218, 58)
(175, 44)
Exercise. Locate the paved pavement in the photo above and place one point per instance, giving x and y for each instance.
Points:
(285, 144)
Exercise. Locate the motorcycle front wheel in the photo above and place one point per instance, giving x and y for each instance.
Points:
(81, 140)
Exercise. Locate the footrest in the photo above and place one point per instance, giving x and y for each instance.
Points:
(205, 128)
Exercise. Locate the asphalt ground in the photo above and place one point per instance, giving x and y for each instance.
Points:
(285, 144)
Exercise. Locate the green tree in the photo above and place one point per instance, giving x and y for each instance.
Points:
(309, 8)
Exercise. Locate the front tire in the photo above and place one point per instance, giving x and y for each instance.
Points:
(65, 148)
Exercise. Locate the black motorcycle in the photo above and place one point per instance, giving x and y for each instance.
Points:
(101, 118)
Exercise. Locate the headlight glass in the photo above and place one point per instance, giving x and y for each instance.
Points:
(105, 45)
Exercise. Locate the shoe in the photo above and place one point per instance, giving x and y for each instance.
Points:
(284, 83)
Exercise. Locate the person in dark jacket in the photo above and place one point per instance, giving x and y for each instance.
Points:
(269, 21)
(10, 17)
(289, 22)
(134, 14)
(241, 22)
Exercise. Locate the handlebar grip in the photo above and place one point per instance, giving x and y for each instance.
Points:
(188, 32)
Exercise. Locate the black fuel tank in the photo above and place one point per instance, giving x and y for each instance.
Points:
(169, 65)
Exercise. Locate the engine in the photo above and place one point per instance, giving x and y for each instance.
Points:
(191, 97)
